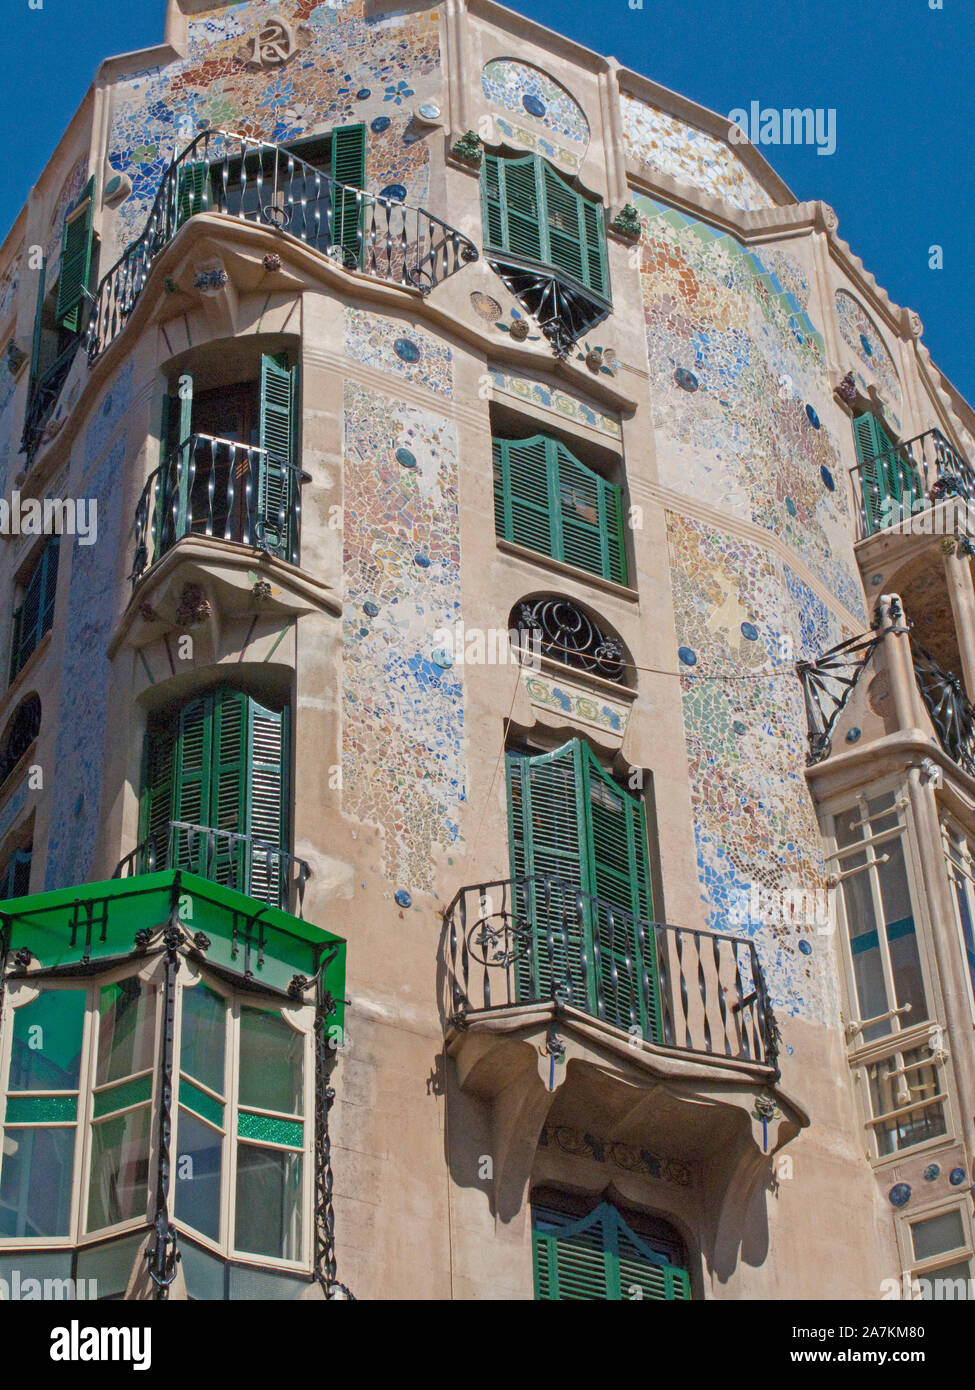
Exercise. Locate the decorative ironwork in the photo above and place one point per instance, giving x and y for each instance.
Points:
(218, 487)
(951, 711)
(530, 940)
(163, 1254)
(43, 399)
(565, 312)
(909, 477)
(236, 176)
(571, 637)
(22, 730)
(827, 684)
(242, 862)
(326, 1267)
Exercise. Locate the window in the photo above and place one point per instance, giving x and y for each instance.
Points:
(564, 632)
(961, 876)
(579, 845)
(82, 1110)
(15, 874)
(598, 1255)
(938, 1248)
(894, 1039)
(531, 213)
(545, 499)
(890, 485)
(229, 467)
(215, 793)
(34, 614)
(74, 281)
(20, 734)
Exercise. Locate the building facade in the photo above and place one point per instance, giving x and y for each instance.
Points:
(488, 781)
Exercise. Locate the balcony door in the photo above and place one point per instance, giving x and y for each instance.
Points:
(580, 840)
(219, 763)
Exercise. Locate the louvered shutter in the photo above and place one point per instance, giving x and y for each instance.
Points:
(156, 811)
(276, 479)
(512, 206)
(192, 795)
(35, 614)
(35, 349)
(563, 217)
(230, 787)
(191, 190)
(268, 796)
(594, 232)
(76, 247)
(492, 202)
(598, 1258)
(349, 170)
(522, 493)
(591, 518)
(547, 831)
(885, 477)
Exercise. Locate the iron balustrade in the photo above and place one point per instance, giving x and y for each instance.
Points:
(950, 709)
(218, 487)
(908, 478)
(228, 857)
(256, 181)
(523, 941)
(44, 397)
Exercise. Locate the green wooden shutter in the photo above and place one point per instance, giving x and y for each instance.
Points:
(76, 246)
(156, 809)
(522, 493)
(35, 614)
(885, 477)
(276, 478)
(521, 208)
(594, 233)
(349, 170)
(565, 227)
(492, 201)
(268, 742)
(598, 1258)
(193, 768)
(191, 190)
(35, 349)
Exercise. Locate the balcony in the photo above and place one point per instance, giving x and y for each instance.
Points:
(520, 942)
(241, 862)
(910, 478)
(255, 181)
(218, 487)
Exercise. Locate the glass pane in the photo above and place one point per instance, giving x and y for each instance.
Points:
(197, 1175)
(35, 1182)
(268, 1202)
(41, 1109)
(126, 1028)
(898, 915)
(888, 1093)
(203, 1035)
(270, 1062)
(269, 1129)
(950, 1282)
(107, 1269)
(937, 1235)
(119, 1186)
(201, 1102)
(125, 1094)
(865, 947)
(47, 1042)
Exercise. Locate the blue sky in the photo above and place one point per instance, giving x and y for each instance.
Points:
(897, 73)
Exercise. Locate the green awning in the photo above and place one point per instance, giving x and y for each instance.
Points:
(98, 922)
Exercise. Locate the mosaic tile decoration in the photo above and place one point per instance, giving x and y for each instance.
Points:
(578, 703)
(755, 827)
(70, 190)
(559, 402)
(344, 69)
(82, 719)
(407, 352)
(874, 364)
(10, 283)
(740, 390)
(556, 123)
(681, 151)
(403, 762)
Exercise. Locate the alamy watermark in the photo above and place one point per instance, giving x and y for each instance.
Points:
(20, 1288)
(461, 645)
(50, 516)
(763, 125)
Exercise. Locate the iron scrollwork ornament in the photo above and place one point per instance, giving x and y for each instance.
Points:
(571, 637)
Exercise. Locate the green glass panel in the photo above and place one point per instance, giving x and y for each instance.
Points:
(268, 1202)
(199, 1101)
(269, 1129)
(203, 1035)
(126, 1028)
(47, 1042)
(119, 1186)
(271, 1056)
(41, 1109)
(127, 1093)
(36, 1168)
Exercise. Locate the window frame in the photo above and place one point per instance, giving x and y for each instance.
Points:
(928, 1266)
(951, 826)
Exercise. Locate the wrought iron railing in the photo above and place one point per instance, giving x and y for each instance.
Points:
(44, 397)
(244, 862)
(908, 478)
(218, 487)
(951, 711)
(232, 174)
(533, 940)
(567, 634)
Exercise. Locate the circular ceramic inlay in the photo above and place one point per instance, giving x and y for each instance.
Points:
(931, 1172)
(370, 609)
(486, 306)
(686, 380)
(402, 897)
(750, 631)
(737, 726)
(380, 124)
(533, 105)
(827, 478)
(876, 579)
(395, 192)
(813, 417)
(853, 734)
(429, 111)
(865, 344)
(442, 658)
(405, 458)
(899, 1195)
(406, 350)
(956, 1177)
(422, 560)
(688, 655)
(805, 947)
(362, 94)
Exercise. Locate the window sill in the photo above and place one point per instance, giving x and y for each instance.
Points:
(543, 561)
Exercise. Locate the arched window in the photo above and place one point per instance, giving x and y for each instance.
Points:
(216, 793)
(547, 500)
(604, 1254)
(566, 633)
